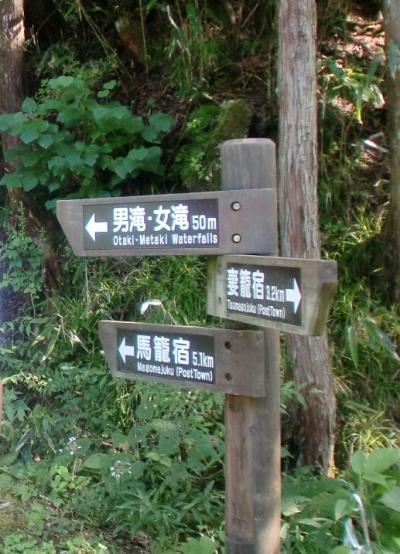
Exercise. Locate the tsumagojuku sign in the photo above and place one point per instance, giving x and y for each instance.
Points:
(193, 357)
(207, 223)
(287, 294)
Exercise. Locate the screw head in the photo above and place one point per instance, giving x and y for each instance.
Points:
(236, 238)
(236, 206)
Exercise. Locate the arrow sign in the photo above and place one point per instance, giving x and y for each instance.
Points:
(125, 350)
(293, 295)
(202, 223)
(94, 227)
(288, 294)
(190, 357)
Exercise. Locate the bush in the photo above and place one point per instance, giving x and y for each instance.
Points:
(75, 146)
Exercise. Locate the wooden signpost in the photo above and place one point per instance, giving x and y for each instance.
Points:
(289, 294)
(278, 294)
(207, 223)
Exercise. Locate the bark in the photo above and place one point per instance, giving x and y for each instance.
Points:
(392, 226)
(299, 221)
(12, 40)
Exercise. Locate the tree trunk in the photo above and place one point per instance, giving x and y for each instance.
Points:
(37, 219)
(299, 221)
(392, 226)
(12, 40)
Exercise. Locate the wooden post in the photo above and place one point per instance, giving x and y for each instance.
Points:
(252, 426)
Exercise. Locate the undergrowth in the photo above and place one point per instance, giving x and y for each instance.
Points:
(145, 460)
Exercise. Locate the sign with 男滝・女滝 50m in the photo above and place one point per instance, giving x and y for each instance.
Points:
(138, 225)
(194, 223)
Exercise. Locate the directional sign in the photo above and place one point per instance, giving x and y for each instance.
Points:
(194, 357)
(207, 223)
(288, 294)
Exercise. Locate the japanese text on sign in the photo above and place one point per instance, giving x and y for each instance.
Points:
(266, 292)
(150, 224)
(184, 357)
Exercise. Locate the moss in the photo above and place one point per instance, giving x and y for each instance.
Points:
(198, 161)
(233, 121)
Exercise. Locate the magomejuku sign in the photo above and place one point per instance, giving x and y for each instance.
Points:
(184, 357)
(194, 223)
(194, 357)
(288, 294)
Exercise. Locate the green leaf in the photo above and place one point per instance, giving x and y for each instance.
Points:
(50, 204)
(45, 141)
(39, 125)
(379, 338)
(99, 113)
(391, 499)
(145, 410)
(110, 85)
(28, 105)
(292, 504)
(357, 462)
(29, 136)
(97, 461)
(121, 167)
(134, 125)
(61, 82)
(158, 123)
(137, 470)
(73, 160)
(90, 158)
(11, 180)
(57, 162)
(160, 458)
(381, 459)
(70, 115)
(138, 154)
(29, 182)
(5, 121)
(376, 478)
(161, 121)
(53, 186)
(168, 437)
(341, 508)
(31, 159)
(8, 459)
(49, 106)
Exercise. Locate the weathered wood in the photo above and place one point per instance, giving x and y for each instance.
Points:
(302, 310)
(221, 228)
(253, 425)
(228, 355)
(392, 224)
(298, 219)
